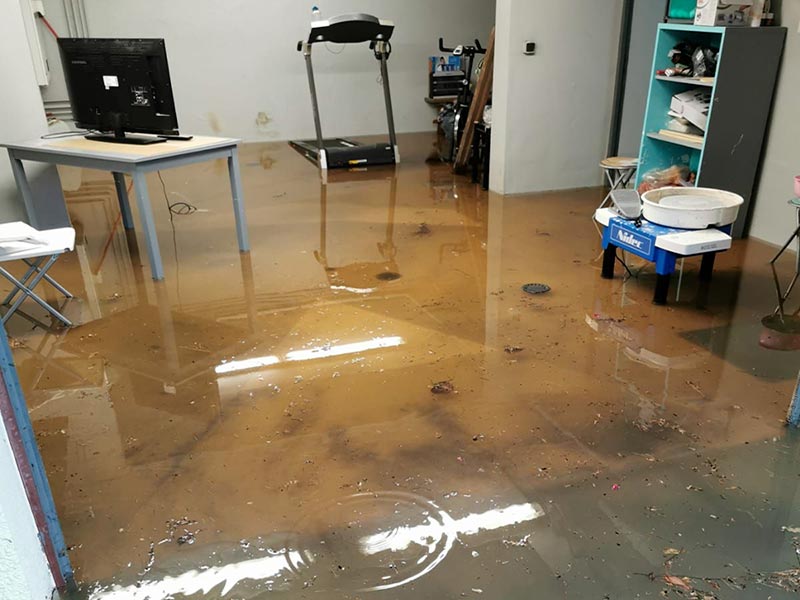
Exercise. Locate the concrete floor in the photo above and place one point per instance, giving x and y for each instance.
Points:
(265, 425)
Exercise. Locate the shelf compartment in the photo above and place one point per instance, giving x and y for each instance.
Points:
(687, 80)
(670, 140)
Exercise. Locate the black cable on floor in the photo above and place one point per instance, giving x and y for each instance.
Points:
(172, 211)
(176, 208)
(624, 264)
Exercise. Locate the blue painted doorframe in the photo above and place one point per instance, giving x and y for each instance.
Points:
(14, 414)
(793, 417)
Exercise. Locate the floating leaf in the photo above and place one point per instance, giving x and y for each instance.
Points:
(677, 582)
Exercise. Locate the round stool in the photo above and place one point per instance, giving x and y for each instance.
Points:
(619, 171)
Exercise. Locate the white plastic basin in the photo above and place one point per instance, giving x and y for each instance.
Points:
(690, 207)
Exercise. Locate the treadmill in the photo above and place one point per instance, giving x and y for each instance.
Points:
(338, 152)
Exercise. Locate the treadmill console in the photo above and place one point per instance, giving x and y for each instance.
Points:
(351, 29)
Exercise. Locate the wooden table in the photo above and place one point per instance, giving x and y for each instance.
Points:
(136, 161)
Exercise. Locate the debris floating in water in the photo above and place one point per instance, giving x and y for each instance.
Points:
(423, 229)
(535, 288)
(151, 559)
(188, 537)
(513, 349)
(443, 387)
(520, 543)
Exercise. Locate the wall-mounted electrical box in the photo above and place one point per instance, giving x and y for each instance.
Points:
(530, 48)
(33, 31)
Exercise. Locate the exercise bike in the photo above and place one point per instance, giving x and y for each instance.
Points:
(452, 117)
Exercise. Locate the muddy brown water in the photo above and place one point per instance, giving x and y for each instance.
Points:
(278, 405)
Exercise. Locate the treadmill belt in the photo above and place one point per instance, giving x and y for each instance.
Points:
(329, 143)
(342, 153)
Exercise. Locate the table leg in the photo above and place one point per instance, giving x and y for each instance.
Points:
(609, 258)
(238, 200)
(24, 187)
(122, 196)
(662, 289)
(707, 266)
(168, 339)
(148, 223)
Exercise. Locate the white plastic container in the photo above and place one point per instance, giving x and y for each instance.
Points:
(690, 207)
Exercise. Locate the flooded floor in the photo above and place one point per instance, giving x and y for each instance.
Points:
(368, 406)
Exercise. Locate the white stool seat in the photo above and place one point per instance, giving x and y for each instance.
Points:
(41, 243)
(619, 162)
(39, 250)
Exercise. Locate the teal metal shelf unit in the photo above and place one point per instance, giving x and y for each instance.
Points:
(742, 89)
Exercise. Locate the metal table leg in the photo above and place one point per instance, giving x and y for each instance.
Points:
(238, 200)
(148, 223)
(124, 204)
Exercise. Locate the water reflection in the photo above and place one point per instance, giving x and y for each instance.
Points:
(360, 276)
(353, 560)
(326, 351)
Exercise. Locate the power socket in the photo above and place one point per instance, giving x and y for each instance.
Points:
(529, 48)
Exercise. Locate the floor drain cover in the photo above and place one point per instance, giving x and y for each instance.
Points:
(388, 276)
(535, 288)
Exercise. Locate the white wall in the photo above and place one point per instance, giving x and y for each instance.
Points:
(23, 568)
(232, 60)
(552, 111)
(21, 113)
(773, 221)
(647, 14)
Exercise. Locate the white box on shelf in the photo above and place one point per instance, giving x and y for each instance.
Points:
(693, 106)
(740, 13)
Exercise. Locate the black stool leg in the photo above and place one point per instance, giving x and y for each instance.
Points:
(662, 289)
(609, 258)
(476, 151)
(707, 266)
(486, 155)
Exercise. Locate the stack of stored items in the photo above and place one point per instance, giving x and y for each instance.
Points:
(689, 112)
(741, 13)
(445, 76)
(689, 109)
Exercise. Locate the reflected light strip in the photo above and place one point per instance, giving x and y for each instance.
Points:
(196, 581)
(244, 365)
(328, 351)
(266, 569)
(353, 290)
(310, 354)
(422, 535)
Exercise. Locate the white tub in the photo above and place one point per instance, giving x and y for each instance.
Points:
(690, 207)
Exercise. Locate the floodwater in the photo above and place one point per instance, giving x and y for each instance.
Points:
(264, 425)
